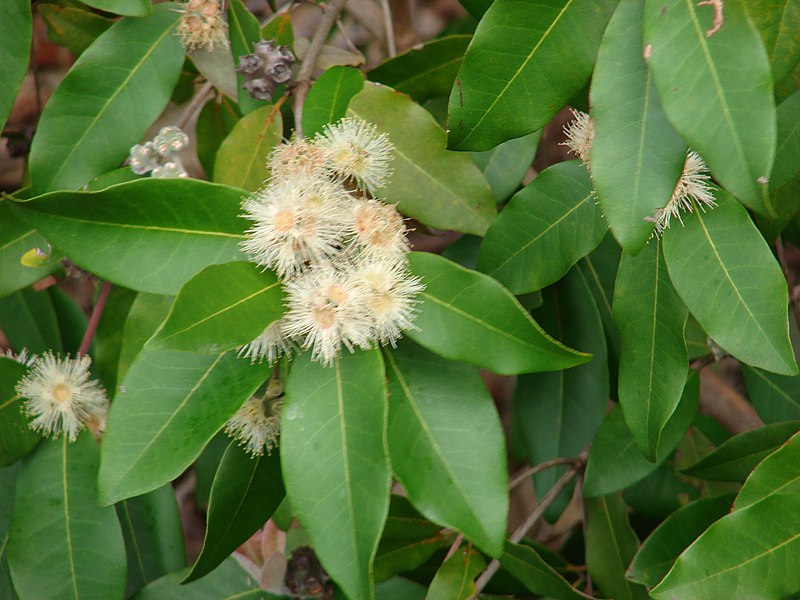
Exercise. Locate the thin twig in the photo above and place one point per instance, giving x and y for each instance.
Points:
(302, 82)
(196, 103)
(531, 471)
(94, 320)
(391, 46)
(725, 404)
(351, 46)
(454, 548)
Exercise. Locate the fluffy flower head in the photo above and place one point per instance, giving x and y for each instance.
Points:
(378, 230)
(692, 190)
(580, 135)
(269, 346)
(298, 158)
(256, 425)
(356, 150)
(202, 25)
(60, 397)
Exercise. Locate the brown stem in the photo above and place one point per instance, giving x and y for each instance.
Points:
(391, 46)
(94, 320)
(302, 82)
(531, 471)
(454, 548)
(725, 404)
(196, 102)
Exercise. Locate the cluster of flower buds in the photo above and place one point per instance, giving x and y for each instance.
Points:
(202, 25)
(692, 189)
(266, 68)
(159, 157)
(342, 253)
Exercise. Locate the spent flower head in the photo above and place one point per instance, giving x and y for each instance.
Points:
(691, 190)
(60, 397)
(257, 424)
(580, 135)
(202, 25)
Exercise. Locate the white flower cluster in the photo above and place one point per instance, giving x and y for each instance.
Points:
(342, 254)
(202, 25)
(257, 424)
(159, 157)
(691, 190)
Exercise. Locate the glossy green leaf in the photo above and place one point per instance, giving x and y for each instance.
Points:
(455, 579)
(725, 273)
(244, 32)
(424, 72)
(216, 65)
(775, 397)
(121, 84)
(544, 230)
(28, 320)
(229, 581)
(246, 492)
(651, 318)
(109, 335)
(600, 269)
(525, 564)
(15, 47)
(785, 179)
(328, 98)
(734, 459)
(777, 21)
(505, 165)
(72, 320)
(449, 455)
(16, 438)
(150, 235)
(55, 508)
(147, 312)
(279, 28)
(132, 8)
(222, 307)
(16, 238)
(610, 546)
(716, 91)
(151, 526)
(761, 557)
(514, 77)
(636, 155)
(8, 480)
(214, 124)
(170, 405)
(559, 412)
(779, 473)
(476, 8)
(335, 463)
(242, 157)
(438, 188)
(468, 316)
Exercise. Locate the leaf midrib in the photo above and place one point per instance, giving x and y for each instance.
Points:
(67, 521)
(145, 227)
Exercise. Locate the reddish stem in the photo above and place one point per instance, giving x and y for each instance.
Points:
(94, 320)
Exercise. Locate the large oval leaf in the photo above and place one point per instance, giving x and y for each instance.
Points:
(779, 473)
(544, 230)
(653, 358)
(636, 155)
(242, 158)
(778, 21)
(775, 397)
(514, 77)
(170, 404)
(8, 482)
(726, 274)
(55, 508)
(328, 98)
(335, 464)
(120, 85)
(455, 579)
(17, 238)
(525, 564)
(466, 315)
(505, 166)
(133, 8)
(438, 188)
(15, 47)
(16, 438)
(222, 307)
(151, 235)
(716, 90)
(449, 454)
(229, 581)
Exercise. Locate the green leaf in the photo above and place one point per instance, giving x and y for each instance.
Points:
(524, 563)
(777, 21)
(785, 178)
(16, 238)
(438, 188)
(72, 320)
(424, 72)
(328, 98)
(242, 157)
(659, 551)
(244, 32)
(279, 29)
(335, 463)
(716, 91)
(214, 124)
(653, 360)
(16, 438)
(545, 229)
(109, 335)
(229, 581)
(750, 553)
(559, 412)
(216, 65)
(55, 508)
(775, 397)
(615, 461)
(28, 320)
(246, 492)
(505, 166)
(449, 455)
(147, 313)
(514, 78)
(720, 255)
(610, 546)
(600, 270)
(15, 48)
(132, 8)
(172, 404)
(120, 85)
(779, 473)
(222, 307)
(468, 316)
(150, 235)
(8, 480)
(151, 526)
(455, 579)
(735, 458)
(636, 155)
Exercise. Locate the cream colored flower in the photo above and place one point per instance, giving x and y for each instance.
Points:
(269, 346)
(298, 158)
(202, 25)
(256, 425)
(377, 230)
(692, 190)
(580, 135)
